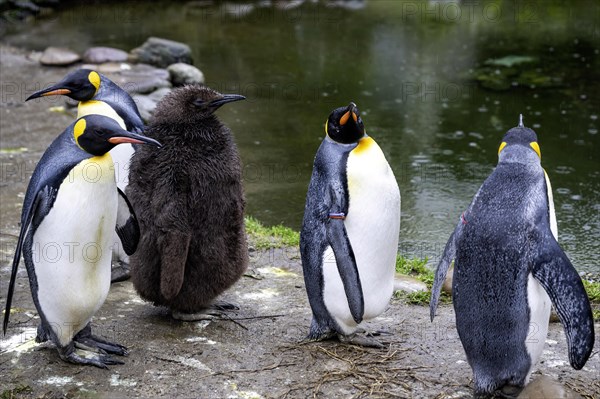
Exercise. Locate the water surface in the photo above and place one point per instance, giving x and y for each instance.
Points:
(411, 68)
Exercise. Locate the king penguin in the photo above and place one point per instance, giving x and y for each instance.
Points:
(349, 237)
(69, 213)
(508, 269)
(98, 95)
(190, 203)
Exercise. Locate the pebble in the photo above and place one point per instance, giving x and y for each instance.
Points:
(408, 284)
(100, 55)
(544, 387)
(447, 285)
(184, 74)
(58, 56)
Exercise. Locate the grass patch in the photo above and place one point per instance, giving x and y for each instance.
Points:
(593, 291)
(417, 268)
(263, 237)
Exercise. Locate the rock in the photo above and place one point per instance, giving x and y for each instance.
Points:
(184, 74)
(554, 316)
(162, 52)
(140, 79)
(99, 55)
(58, 56)
(544, 387)
(145, 105)
(159, 94)
(408, 284)
(447, 285)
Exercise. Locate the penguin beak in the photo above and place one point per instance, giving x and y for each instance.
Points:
(226, 98)
(50, 91)
(124, 136)
(351, 111)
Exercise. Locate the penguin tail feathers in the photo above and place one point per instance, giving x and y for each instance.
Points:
(174, 252)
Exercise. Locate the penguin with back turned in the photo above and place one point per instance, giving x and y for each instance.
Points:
(100, 96)
(191, 205)
(508, 269)
(349, 237)
(71, 202)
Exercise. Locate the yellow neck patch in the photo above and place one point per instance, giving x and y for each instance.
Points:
(326, 123)
(536, 148)
(501, 147)
(78, 130)
(363, 145)
(94, 79)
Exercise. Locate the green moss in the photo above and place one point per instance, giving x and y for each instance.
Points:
(270, 237)
(593, 292)
(418, 269)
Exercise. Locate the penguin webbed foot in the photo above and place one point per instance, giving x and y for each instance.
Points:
(218, 310)
(85, 340)
(120, 272)
(88, 358)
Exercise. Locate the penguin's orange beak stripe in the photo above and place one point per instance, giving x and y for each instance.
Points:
(57, 92)
(344, 118)
(121, 140)
(354, 117)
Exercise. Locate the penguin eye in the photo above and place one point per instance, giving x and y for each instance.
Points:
(198, 102)
(100, 133)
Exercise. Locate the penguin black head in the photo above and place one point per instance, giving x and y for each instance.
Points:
(191, 103)
(344, 125)
(80, 85)
(97, 134)
(519, 144)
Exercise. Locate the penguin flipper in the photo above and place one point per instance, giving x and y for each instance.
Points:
(32, 215)
(346, 263)
(174, 248)
(129, 232)
(443, 267)
(563, 285)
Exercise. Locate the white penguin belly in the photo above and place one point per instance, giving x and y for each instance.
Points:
(373, 226)
(539, 317)
(72, 248)
(538, 300)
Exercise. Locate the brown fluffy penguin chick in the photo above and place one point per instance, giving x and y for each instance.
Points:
(190, 204)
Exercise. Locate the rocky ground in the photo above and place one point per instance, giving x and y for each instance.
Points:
(257, 351)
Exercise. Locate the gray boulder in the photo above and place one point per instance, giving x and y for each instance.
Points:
(140, 78)
(100, 55)
(58, 56)
(162, 52)
(147, 103)
(184, 74)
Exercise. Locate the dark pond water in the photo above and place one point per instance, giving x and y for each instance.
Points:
(417, 70)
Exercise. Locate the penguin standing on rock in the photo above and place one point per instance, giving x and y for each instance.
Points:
(349, 236)
(71, 207)
(190, 205)
(98, 95)
(508, 269)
